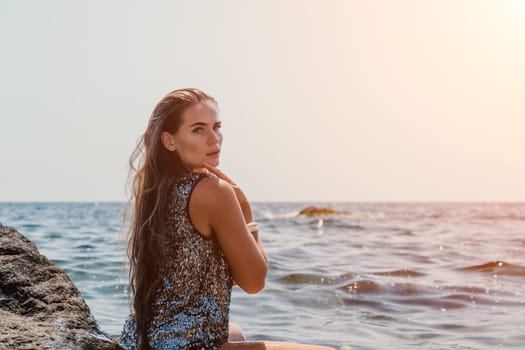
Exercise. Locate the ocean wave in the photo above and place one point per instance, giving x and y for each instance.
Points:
(424, 269)
(502, 216)
(305, 278)
(496, 267)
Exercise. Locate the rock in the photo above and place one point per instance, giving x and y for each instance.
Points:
(314, 211)
(40, 308)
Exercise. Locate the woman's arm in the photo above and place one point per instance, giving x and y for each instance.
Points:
(248, 217)
(225, 217)
(243, 202)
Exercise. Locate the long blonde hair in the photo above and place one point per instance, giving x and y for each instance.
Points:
(153, 169)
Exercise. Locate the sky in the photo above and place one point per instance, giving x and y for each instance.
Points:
(321, 100)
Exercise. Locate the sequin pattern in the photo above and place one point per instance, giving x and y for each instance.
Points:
(191, 307)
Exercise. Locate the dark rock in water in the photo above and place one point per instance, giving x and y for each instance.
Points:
(314, 211)
(40, 308)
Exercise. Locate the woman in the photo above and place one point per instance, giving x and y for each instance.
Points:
(192, 233)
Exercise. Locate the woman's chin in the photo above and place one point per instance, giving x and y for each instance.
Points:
(214, 162)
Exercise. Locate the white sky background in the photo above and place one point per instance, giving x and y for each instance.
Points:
(320, 100)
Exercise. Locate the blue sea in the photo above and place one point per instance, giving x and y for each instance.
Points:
(383, 276)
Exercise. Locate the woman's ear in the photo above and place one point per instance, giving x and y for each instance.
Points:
(168, 141)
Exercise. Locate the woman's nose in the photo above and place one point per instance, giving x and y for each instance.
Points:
(214, 138)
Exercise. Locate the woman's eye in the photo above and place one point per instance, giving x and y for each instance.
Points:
(197, 130)
(217, 127)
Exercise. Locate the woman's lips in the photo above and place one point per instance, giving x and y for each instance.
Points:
(212, 154)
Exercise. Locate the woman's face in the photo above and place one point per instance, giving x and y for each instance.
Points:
(198, 139)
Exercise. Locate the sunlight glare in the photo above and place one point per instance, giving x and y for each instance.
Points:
(513, 16)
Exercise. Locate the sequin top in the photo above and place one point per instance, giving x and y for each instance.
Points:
(191, 306)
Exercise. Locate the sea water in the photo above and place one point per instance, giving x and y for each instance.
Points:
(384, 276)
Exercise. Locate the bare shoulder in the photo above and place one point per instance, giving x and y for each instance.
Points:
(212, 191)
(209, 198)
